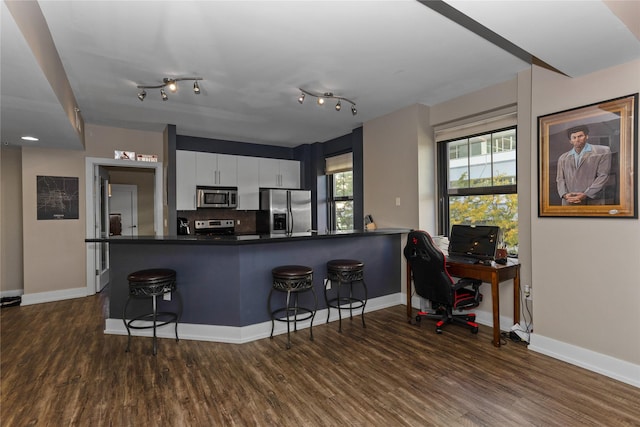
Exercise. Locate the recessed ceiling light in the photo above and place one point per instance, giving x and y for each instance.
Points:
(30, 138)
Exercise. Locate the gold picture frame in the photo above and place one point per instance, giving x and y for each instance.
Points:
(599, 182)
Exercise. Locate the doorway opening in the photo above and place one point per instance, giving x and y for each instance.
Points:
(97, 219)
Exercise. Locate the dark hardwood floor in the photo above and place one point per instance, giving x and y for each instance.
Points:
(59, 369)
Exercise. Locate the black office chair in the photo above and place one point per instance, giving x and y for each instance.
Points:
(432, 281)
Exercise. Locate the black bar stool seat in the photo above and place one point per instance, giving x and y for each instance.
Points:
(152, 283)
(345, 272)
(294, 280)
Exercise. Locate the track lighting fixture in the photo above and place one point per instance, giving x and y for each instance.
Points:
(171, 84)
(321, 98)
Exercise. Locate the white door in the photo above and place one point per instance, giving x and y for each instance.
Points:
(101, 224)
(124, 202)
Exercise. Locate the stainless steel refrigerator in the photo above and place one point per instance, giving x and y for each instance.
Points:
(284, 211)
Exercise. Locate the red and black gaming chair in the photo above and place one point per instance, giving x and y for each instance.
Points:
(431, 281)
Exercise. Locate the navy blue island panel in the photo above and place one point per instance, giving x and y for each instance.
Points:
(226, 280)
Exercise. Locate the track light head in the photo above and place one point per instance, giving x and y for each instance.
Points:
(163, 94)
(320, 101)
(338, 106)
(301, 98)
(196, 88)
(142, 94)
(171, 84)
(353, 110)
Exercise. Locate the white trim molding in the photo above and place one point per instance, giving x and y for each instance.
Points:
(51, 296)
(606, 365)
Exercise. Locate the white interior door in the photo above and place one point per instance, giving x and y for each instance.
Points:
(101, 223)
(124, 201)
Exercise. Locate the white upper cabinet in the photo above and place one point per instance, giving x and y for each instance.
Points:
(246, 173)
(185, 180)
(216, 169)
(290, 173)
(248, 183)
(275, 173)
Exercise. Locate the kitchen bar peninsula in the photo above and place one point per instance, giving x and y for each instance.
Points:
(224, 281)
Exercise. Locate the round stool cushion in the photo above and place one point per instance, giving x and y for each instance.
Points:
(294, 278)
(152, 275)
(291, 271)
(155, 281)
(345, 265)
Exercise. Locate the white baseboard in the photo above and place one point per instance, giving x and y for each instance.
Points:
(240, 334)
(606, 365)
(42, 297)
(11, 293)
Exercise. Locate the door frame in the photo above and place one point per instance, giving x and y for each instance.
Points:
(91, 164)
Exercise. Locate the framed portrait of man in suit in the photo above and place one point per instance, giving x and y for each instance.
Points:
(587, 158)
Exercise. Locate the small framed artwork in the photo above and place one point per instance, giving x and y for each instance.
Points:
(57, 197)
(587, 158)
(124, 155)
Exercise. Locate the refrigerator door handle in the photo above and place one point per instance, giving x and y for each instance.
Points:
(289, 214)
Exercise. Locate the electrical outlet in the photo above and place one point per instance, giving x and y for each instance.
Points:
(238, 223)
(527, 291)
(327, 284)
(167, 296)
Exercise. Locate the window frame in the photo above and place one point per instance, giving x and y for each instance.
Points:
(445, 193)
(331, 197)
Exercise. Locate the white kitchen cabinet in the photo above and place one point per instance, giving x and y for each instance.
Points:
(290, 173)
(216, 169)
(276, 173)
(248, 183)
(185, 180)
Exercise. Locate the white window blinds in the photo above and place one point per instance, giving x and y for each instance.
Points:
(503, 118)
(340, 163)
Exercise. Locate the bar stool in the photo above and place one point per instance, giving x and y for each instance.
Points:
(345, 272)
(152, 283)
(294, 280)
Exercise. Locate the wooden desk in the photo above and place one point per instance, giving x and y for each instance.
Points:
(493, 274)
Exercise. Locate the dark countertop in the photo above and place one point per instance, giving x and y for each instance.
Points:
(247, 238)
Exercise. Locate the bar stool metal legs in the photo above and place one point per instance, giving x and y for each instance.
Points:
(345, 273)
(152, 283)
(294, 280)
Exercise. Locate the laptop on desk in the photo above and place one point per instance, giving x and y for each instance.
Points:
(471, 244)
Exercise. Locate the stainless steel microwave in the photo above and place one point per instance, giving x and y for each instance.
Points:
(217, 197)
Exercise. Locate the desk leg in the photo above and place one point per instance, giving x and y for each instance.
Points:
(516, 297)
(495, 298)
(409, 308)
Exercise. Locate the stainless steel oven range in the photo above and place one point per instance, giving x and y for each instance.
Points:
(214, 227)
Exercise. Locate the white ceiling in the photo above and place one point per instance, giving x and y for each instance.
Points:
(254, 55)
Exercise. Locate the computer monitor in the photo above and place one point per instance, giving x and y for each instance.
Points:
(477, 241)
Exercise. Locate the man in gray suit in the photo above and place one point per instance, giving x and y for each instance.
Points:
(583, 171)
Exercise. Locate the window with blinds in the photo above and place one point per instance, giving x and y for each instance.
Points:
(339, 171)
(477, 176)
